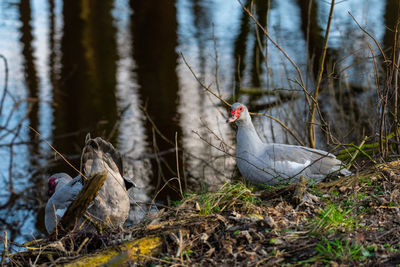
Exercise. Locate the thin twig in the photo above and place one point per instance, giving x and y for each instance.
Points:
(165, 184)
(280, 123)
(207, 88)
(216, 60)
(154, 126)
(216, 136)
(373, 38)
(3, 96)
(10, 167)
(229, 105)
(306, 94)
(58, 153)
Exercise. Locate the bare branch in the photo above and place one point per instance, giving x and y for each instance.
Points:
(373, 38)
(306, 94)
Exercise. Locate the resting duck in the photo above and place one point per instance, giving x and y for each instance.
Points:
(269, 163)
(111, 205)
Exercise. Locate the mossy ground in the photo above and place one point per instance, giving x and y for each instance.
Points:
(352, 221)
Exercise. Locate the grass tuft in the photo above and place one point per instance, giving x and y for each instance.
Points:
(230, 195)
(338, 250)
(333, 218)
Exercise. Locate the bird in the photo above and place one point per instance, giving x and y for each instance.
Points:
(271, 163)
(111, 205)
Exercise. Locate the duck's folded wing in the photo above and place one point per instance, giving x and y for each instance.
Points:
(298, 158)
(59, 202)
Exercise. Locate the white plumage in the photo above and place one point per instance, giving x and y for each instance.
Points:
(269, 163)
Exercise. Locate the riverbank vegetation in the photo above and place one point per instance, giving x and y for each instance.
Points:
(352, 220)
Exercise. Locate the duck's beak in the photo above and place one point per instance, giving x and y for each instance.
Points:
(232, 117)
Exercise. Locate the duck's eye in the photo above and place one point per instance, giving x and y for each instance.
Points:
(241, 108)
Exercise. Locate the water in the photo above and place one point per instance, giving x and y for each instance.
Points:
(106, 67)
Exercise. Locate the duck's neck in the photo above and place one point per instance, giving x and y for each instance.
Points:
(247, 137)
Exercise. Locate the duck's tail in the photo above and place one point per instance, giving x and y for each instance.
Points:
(98, 152)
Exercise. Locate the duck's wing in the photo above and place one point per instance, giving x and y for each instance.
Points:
(59, 202)
(296, 159)
(111, 204)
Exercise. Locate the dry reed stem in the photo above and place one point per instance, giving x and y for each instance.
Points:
(311, 129)
(395, 68)
(165, 184)
(177, 163)
(356, 153)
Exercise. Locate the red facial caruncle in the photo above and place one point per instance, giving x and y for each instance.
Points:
(52, 184)
(235, 114)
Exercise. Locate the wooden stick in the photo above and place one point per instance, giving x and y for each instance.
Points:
(82, 201)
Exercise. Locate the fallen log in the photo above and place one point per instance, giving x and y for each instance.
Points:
(136, 250)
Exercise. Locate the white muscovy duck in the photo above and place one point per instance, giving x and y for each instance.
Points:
(269, 163)
(111, 204)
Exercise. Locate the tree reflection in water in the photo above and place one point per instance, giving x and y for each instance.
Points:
(101, 66)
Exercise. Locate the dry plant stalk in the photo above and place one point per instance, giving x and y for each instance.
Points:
(393, 80)
(177, 164)
(311, 127)
(395, 67)
(5, 251)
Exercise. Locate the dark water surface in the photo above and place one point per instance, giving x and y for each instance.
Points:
(106, 67)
